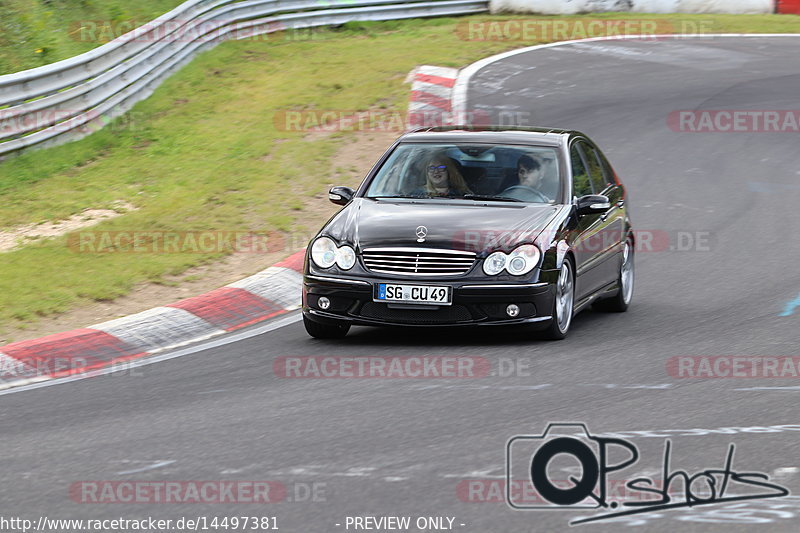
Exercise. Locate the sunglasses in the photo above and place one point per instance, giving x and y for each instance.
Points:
(434, 168)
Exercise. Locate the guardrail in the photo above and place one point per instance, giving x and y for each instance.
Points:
(572, 7)
(67, 100)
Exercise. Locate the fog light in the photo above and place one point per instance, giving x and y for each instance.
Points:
(512, 310)
(323, 303)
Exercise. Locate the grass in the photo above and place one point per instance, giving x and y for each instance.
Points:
(37, 32)
(203, 153)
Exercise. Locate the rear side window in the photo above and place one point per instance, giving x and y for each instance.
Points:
(598, 177)
(581, 186)
(608, 172)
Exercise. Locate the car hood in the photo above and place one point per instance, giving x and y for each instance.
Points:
(450, 224)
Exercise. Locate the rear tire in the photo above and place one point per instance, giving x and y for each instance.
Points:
(625, 281)
(320, 330)
(563, 304)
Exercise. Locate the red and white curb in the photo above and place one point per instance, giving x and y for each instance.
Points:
(431, 96)
(264, 295)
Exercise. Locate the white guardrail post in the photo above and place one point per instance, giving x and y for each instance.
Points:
(70, 99)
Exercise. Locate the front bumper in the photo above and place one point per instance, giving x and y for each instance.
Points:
(473, 303)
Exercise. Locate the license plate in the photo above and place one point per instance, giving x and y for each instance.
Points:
(418, 294)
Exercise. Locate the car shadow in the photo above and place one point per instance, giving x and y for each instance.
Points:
(585, 322)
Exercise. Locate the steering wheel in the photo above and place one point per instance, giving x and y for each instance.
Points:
(525, 193)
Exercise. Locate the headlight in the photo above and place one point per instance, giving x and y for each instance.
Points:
(325, 253)
(345, 257)
(521, 261)
(495, 263)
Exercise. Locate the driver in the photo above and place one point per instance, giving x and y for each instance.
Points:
(530, 172)
(530, 176)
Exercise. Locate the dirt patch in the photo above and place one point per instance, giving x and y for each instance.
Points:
(350, 165)
(17, 237)
(359, 154)
(142, 145)
(355, 157)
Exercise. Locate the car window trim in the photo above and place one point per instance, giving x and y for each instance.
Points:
(576, 144)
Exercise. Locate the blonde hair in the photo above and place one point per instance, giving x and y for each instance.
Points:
(454, 177)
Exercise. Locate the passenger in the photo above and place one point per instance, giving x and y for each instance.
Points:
(442, 178)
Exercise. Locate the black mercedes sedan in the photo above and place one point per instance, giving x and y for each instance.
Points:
(465, 226)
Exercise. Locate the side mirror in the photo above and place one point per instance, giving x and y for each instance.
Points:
(340, 195)
(593, 203)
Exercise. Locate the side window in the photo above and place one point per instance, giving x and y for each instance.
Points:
(581, 186)
(596, 175)
(608, 172)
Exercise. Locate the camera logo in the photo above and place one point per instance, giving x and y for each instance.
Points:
(568, 467)
(537, 462)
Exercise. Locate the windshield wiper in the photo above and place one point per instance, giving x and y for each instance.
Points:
(492, 198)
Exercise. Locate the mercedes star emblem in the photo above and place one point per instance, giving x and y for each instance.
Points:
(422, 232)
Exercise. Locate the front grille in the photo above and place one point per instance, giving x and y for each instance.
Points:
(443, 315)
(418, 261)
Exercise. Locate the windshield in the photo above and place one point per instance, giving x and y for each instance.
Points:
(471, 172)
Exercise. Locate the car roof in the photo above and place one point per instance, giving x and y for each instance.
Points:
(491, 134)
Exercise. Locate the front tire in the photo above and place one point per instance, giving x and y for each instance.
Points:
(320, 330)
(563, 304)
(625, 279)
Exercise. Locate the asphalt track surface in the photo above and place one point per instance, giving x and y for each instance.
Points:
(401, 446)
